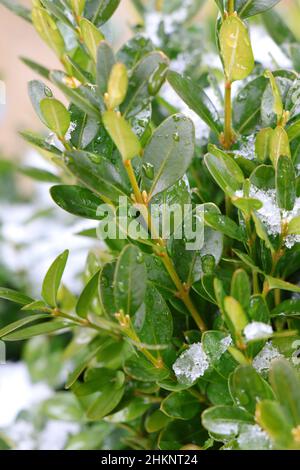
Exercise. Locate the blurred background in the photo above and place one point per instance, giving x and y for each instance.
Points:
(33, 232)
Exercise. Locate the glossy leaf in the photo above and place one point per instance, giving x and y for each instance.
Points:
(99, 11)
(56, 116)
(105, 61)
(180, 405)
(130, 280)
(236, 49)
(77, 200)
(224, 170)
(122, 135)
(14, 296)
(91, 36)
(248, 388)
(37, 330)
(53, 277)
(196, 99)
(87, 296)
(169, 153)
(285, 183)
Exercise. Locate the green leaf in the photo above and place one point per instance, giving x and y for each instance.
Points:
(56, 116)
(246, 8)
(258, 309)
(196, 99)
(262, 232)
(82, 97)
(130, 280)
(279, 145)
(41, 145)
(240, 288)
(139, 96)
(121, 133)
(278, 28)
(19, 323)
(180, 405)
(236, 49)
(263, 177)
(77, 6)
(99, 11)
(96, 172)
(36, 67)
(106, 290)
(247, 106)
(141, 369)
(275, 283)
(47, 29)
(37, 92)
(91, 36)
(248, 388)
(277, 100)
(262, 144)
(288, 307)
(286, 385)
(36, 330)
(134, 50)
(224, 224)
(169, 153)
(117, 86)
(224, 170)
(293, 130)
(87, 296)
(236, 314)
(14, 296)
(285, 183)
(86, 128)
(83, 358)
(247, 260)
(179, 433)
(225, 421)
(17, 9)
(77, 200)
(156, 421)
(101, 392)
(39, 174)
(294, 226)
(53, 277)
(105, 61)
(272, 418)
(129, 410)
(247, 204)
(63, 406)
(153, 321)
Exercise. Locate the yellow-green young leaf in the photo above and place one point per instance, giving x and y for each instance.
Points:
(56, 116)
(279, 144)
(236, 49)
(122, 135)
(262, 144)
(117, 86)
(47, 29)
(278, 106)
(77, 6)
(91, 36)
(294, 226)
(236, 314)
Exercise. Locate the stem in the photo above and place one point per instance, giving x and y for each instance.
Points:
(183, 292)
(230, 7)
(133, 181)
(228, 117)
